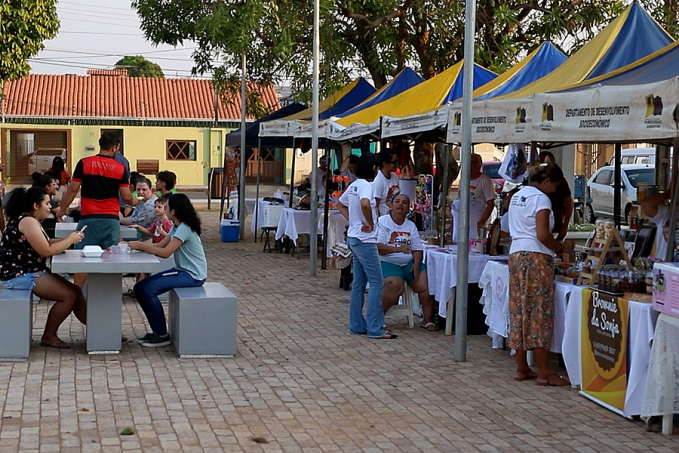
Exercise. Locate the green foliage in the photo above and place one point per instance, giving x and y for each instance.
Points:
(24, 25)
(140, 67)
(665, 12)
(367, 37)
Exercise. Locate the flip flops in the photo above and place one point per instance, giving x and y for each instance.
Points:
(430, 326)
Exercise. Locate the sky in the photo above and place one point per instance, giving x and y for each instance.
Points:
(95, 34)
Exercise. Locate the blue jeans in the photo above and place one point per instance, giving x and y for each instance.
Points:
(147, 290)
(366, 269)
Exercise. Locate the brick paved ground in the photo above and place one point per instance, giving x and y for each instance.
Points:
(300, 382)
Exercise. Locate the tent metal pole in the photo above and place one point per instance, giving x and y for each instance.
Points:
(313, 242)
(444, 197)
(224, 186)
(466, 151)
(326, 211)
(259, 168)
(674, 207)
(292, 173)
(617, 186)
(243, 150)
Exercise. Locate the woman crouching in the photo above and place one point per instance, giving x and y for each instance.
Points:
(24, 250)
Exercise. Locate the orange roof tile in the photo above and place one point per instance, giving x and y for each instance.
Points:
(108, 72)
(75, 96)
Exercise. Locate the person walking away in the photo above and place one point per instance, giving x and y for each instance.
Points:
(190, 266)
(531, 278)
(357, 205)
(24, 251)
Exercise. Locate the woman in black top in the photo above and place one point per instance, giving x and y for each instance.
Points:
(24, 251)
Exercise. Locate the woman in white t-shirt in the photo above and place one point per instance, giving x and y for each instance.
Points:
(401, 253)
(357, 205)
(531, 280)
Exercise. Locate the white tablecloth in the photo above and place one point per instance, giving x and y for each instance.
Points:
(442, 273)
(662, 384)
(640, 335)
(294, 222)
(494, 282)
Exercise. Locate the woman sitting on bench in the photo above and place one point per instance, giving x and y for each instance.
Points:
(190, 266)
(24, 250)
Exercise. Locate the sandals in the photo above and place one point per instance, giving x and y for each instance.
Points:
(554, 380)
(430, 326)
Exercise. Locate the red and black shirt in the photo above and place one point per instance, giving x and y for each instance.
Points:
(100, 177)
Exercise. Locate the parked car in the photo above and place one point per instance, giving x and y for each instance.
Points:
(600, 188)
(41, 159)
(492, 170)
(635, 156)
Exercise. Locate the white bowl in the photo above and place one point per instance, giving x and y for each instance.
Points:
(92, 251)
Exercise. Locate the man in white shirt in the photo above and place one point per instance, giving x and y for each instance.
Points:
(481, 197)
(321, 175)
(385, 185)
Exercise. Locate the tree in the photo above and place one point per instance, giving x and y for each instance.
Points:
(666, 12)
(375, 37)
(24, 25)
(140, 67)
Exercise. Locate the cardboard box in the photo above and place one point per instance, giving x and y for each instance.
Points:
(666, 288)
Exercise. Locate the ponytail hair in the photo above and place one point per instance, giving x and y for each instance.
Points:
(184, 211)
(23, 200)
(42, 180)
(545, 171)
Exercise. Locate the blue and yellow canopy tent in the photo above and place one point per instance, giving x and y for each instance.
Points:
(508, 117)
(404, 80)
(538, 63)
(432, 93)
(628, 38)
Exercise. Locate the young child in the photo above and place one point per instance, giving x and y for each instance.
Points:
(161, 226)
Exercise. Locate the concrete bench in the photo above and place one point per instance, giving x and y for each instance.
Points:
(203, 321)
(16, 324)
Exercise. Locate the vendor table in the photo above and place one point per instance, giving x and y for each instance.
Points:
(63, 229)
(442, 277)
(661, 396)
(103, 292)
(641, 323)
(569, 303)
(294, 222)
(494, 282)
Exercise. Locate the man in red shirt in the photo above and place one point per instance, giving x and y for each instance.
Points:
(100, 178)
